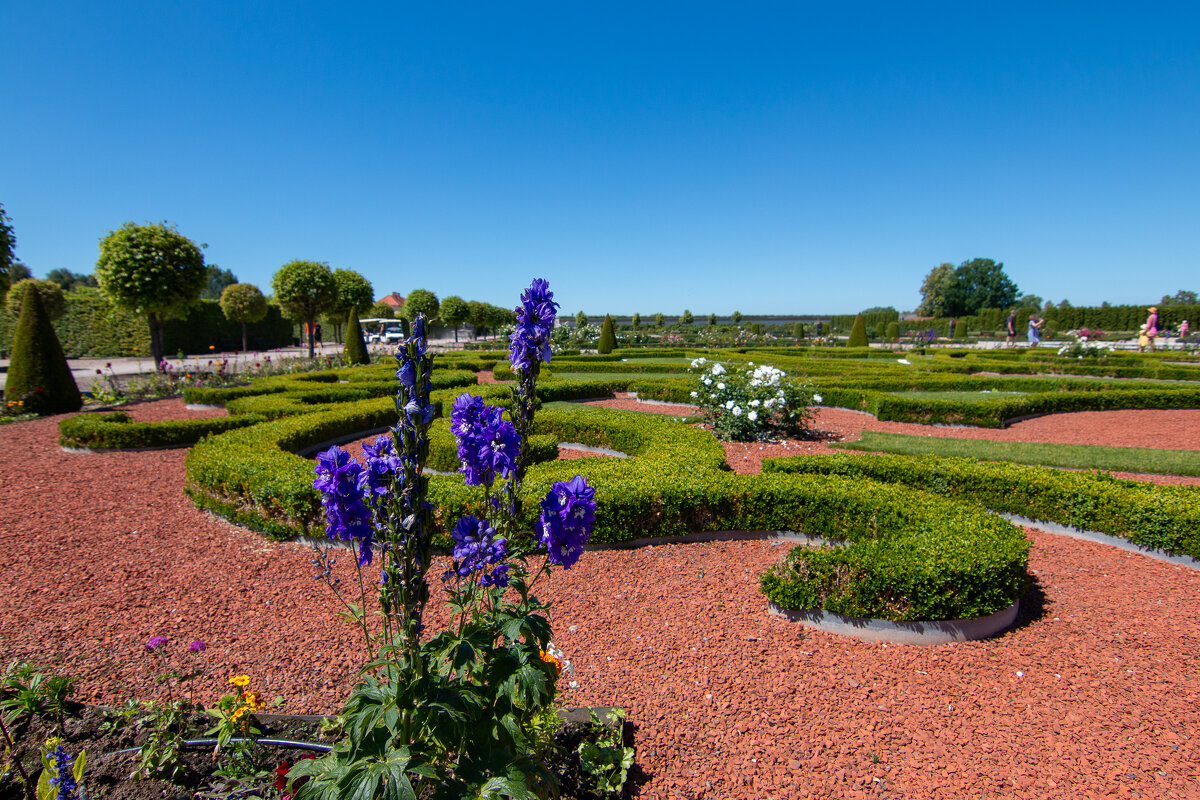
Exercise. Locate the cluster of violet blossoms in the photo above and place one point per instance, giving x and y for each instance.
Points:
(354, 496)
(529, 342)
(477, 549)
(488, 444)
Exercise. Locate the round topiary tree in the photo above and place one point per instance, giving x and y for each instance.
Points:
(737, 318)
(686, 317)
(608, 337)
(381, 310)
(39, 379)
(54, 303)
(355, 351)
(858, 333)
(660, 319)
(712, 320)
(422, 301)
(581, 319)
(354, 293)
(636, 321)
(798, 330)
(454, 311)
(893, 330)
(243, 303)
(152, 270)
(305, 289)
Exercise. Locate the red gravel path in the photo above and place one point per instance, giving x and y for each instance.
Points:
(1094, 693)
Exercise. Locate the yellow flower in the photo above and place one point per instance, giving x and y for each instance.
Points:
(236, 715)
(240, 680)
(253, 701)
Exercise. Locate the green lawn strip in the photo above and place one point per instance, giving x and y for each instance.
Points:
(1071, 456)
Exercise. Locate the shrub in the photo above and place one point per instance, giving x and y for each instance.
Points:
(753, 404)
(356, 348)
(608, 340)
(893, 330)
(117, 431)
(243, 303)
(53, 300)
(858, 333)
(39, 380)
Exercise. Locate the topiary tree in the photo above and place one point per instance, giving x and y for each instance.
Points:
(960, 330)
(636, 321)
(53, 301)
(858, 333)
(355, 351)
(580, 319)
(422, 301)
(659, 320)
(893, 330)
(737, 318)
(152, 270)
(798, 330)
(305, 289)
(354, 293)
(686, 318)
(454, 311)
(39, 379)
(608, 338)
(382, 310)
(243, 303)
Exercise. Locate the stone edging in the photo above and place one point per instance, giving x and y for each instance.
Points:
(883, 630)
(1102, 538)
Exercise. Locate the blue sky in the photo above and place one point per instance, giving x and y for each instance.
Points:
(772, 158)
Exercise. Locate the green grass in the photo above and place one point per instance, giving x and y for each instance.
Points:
(1071, 456)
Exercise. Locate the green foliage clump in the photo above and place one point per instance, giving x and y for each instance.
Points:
(305, 289)
(798, 330)
(243, 303)
(381, 310)
(686, 317)
(117, 431)
(422, 301)
(152, 270)
(893, 331)
(39, 381)
(53, 300)
(356, 347)
(608, 339)
(858, 333)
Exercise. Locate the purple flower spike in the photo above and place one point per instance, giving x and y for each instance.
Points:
(476, 551)
(568, 514)
(156, 642)
(340, 482)
(530, 339)
(488, 444)
(197, 646)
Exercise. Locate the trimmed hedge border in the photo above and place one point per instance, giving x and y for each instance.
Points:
(1157, 517)
(117, 431)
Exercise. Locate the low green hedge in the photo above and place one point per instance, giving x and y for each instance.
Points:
(325, 387)
(1163, 517)
(116, 430)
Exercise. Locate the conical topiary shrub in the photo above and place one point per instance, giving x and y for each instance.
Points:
(608, 338)
(356, 348)
(39, 380)
(960, 330)
(858, 333)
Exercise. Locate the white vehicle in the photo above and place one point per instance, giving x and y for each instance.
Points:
(382, 331)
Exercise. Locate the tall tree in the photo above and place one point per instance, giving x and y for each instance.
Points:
(152, 270)
(305, 289)
(933, 291)
(454, 311)
(1181, 298)
(218, 279)
(979, 283)
(243, 303)
(8, 249)
(68, 281)
(354, 293)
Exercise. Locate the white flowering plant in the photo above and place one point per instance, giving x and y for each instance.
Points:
(754, 403)
(1083, 345)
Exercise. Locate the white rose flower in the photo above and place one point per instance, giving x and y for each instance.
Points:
(817, 399)
(695, 394)
(754, 404)
(737, 411)
(717, 369)
(752, 416)
(728, 404)
(720, 385)
(708, 381)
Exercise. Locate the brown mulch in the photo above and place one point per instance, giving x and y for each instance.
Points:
(1093, 693)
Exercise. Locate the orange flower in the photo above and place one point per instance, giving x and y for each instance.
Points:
(557, 662)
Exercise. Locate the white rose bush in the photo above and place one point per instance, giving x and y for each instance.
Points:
(752, 403)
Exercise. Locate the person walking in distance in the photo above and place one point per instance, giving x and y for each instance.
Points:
(1010, 328)
(1035, 330)
(1149, 331)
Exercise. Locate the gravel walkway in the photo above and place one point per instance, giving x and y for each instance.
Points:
(1094, 693)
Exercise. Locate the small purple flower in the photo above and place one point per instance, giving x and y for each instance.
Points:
(530, 339)
(568, 514)
(476, 551)
(156, 642)
(340, 482)
(197, 647)
(64, 780)
(382, 465)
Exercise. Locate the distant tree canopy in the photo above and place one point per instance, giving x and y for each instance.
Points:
(950, 291)
(879, 310)
(69, 281)
(686, 317)
(54, 305)
(455, 312)
(305, 289)
(243, 303)
(8, 249)
(218, 279)
(421, 301)
(381, 310)
(1180, 298)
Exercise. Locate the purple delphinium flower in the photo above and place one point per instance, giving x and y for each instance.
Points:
(476, 551)
(382, 465)
(340, 482)
(487, 443)
(64, 780)
(530, 339)
(568, 513)
(197, 646)
(156, 642)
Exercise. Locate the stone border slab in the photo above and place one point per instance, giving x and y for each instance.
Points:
(883, 630)
(1102, 538)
